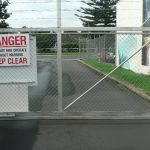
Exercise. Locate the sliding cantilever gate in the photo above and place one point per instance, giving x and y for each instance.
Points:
(94, 72)
(83, 72)
(104, 69)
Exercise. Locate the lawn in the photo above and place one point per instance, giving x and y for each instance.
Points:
(139, 81)
(63, 53)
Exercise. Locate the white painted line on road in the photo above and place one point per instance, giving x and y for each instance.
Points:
(105, 76)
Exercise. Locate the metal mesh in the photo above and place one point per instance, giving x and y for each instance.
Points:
(86, 59)
(18, 83)
(100, 53)
(43, 97)
(12, 94)
(78, 69)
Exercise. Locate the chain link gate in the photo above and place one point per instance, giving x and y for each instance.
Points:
(104, 71)
(101, 77)
(89, 72)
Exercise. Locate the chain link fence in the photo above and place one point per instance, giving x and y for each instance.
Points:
(105, 71)
(44, 97)
(99, 54)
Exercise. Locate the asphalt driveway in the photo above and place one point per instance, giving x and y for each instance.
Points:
(77, 78)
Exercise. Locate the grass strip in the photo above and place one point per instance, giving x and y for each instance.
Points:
(137, 80)
(64, 53)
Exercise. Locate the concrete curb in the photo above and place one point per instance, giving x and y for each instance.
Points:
(101, 115)
(129, 86)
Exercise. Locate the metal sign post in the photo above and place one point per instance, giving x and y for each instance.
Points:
(59, 58)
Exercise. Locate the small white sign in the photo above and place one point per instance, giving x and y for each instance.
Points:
(14, 50)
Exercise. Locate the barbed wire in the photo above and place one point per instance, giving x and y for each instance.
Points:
(74, 9)
(69, 18)
(52, 1)
(45, 10)
(36, 18)
(49, 10)
(33, 19)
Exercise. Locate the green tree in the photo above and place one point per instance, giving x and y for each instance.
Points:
(99, 13)
(4, 14)
(45, 42)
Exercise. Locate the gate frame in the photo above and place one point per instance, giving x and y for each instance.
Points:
(60, 114)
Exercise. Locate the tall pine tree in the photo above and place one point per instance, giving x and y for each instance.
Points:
(99, 13)
(4, 14)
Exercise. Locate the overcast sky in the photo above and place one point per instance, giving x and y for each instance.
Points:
(43, 13)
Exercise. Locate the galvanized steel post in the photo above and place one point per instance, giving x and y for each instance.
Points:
(59, 56)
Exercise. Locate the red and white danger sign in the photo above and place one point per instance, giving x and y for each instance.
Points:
(14, 50)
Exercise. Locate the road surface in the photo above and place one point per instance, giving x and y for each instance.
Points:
(77, 78)
(75, 135)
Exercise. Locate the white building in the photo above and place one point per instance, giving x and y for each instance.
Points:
(133, 13)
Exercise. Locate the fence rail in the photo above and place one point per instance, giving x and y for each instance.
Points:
(75, 29)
